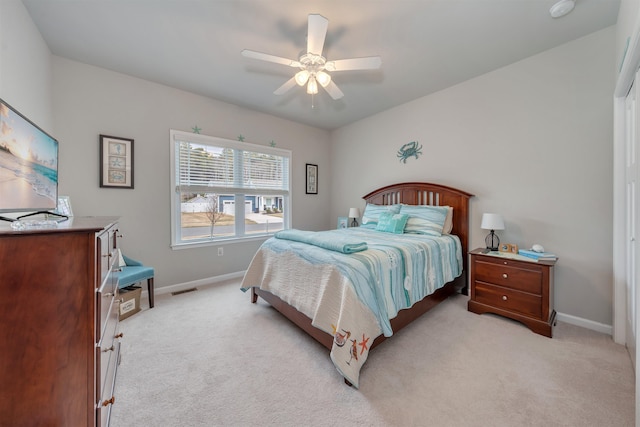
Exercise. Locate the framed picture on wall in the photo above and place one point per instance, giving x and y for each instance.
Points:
(116, 162)
(312, 179)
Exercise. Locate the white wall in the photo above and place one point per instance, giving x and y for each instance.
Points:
(628, 16)
(25, 65)
(90, 101)
(532, 141)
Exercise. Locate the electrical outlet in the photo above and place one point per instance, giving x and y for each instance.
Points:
(220, 251)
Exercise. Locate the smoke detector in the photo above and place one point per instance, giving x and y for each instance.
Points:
(562, 8)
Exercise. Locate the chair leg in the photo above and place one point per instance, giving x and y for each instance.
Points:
(150, 291)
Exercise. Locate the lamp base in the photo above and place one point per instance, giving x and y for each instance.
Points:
(354, 223)
(492, 241)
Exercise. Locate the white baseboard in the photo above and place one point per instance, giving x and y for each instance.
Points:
(193, 284)
(588, 324)
(562, 317)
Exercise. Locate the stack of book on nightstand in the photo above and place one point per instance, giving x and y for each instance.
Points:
(538, 256)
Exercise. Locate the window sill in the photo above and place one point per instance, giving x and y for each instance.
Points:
(219, 241)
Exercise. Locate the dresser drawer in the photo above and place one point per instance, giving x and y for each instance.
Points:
(105, 298)
(508, 299)
(105, 350)
(107, 398)
(510, 275)
(104, 257)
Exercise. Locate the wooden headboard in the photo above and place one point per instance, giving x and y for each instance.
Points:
(423, 193)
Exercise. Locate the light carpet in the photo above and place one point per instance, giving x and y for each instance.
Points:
(211, 358)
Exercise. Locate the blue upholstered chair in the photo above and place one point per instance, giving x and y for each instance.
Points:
(134, 272)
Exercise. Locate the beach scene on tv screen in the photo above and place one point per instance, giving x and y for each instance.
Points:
(28, 164)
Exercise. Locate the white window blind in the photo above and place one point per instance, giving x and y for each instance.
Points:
(215, 166)
(224, 190)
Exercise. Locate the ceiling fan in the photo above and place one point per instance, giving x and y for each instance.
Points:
(314, 68)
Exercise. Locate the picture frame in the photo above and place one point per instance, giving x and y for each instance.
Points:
(343, 222)
(116, 162)
(64, 206)
(312, 179)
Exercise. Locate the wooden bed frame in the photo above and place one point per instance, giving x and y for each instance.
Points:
(410, 193)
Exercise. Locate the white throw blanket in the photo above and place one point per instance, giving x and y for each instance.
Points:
(331, 304)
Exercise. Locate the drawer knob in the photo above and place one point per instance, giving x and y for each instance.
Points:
(109, 401)
(108, 295)
(504, 298)
(505, 276)
(108, 349)
(120, 335)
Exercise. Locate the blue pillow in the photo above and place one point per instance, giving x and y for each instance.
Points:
(424, 219)
(372, 213)
(392, 223)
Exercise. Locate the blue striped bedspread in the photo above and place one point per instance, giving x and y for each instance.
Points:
(395, 272)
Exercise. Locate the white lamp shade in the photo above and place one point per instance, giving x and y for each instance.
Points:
(302, 77)
(491, 221)
(312, 86)
(323, 78)
(354, 213)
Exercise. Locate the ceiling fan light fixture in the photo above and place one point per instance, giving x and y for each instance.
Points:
(312, 87)
(302, 77)
(323, 78)
(562, 8)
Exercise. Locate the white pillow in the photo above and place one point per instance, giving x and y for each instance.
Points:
(448, 223)
(425, 219)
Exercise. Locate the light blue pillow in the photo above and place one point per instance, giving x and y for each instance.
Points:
(425, 219)
(372, 213)
(392, 223)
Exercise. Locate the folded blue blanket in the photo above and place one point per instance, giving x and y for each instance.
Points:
(332, 240)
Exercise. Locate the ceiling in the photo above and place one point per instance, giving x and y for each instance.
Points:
(425, 45)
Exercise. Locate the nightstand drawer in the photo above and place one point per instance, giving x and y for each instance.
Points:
(507, 299)
(509, 276)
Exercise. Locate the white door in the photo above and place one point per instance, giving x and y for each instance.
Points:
(631, 175)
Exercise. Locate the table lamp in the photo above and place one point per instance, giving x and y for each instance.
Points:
(491, 221)
(355, 214)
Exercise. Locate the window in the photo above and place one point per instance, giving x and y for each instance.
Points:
(223, 190)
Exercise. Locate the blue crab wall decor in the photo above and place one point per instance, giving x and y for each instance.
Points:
(408, 150)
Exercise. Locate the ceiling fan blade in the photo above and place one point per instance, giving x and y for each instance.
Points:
(270, 58)
(367, 63)
(285, 87)
(333, 90)
(318, 25)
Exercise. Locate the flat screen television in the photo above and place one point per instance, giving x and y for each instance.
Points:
(28, 165)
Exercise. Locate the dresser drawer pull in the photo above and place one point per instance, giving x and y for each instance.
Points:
(108, 295)
(120, 335)
(108, 349)
(504, 298)
(109, 401)
(505, 276)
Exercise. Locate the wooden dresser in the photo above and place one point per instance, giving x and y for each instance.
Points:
(520, 290)
(58, 323)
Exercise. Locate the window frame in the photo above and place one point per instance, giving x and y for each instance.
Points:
(239, 231)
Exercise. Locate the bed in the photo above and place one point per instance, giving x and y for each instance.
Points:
(327, 292)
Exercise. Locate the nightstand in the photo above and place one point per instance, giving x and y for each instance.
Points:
(514, 288)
